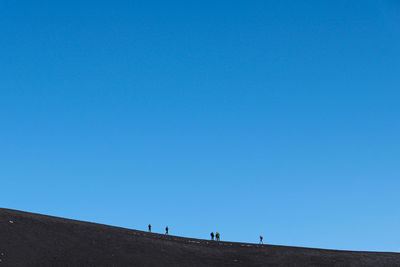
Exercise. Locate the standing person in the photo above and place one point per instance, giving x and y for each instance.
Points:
(217, 236)
(212, 235)
(166, 230)
(150, 228)
(261, 239)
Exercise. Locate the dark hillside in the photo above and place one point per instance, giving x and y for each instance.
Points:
(28, 239)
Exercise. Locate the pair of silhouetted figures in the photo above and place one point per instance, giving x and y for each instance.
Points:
(166, 229)
(216, 236)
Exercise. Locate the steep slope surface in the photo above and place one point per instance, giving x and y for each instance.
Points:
(28, 239)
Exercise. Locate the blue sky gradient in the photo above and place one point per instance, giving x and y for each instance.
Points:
(279, 118)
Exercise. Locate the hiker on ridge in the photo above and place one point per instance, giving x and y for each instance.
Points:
(217, 236)
(212, 235)
(150, 228)
(166, 230)
(261, 239)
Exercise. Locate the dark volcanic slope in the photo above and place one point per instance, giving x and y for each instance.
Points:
(28, 239)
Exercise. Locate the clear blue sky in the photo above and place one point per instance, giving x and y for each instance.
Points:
(279, 118)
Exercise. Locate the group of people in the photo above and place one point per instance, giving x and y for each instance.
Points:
(166, 229)
(216, 235)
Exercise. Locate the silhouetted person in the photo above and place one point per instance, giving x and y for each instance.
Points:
(166, 230)
(149, 227)
(217, 236)
(261, 239)
(212, 235)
